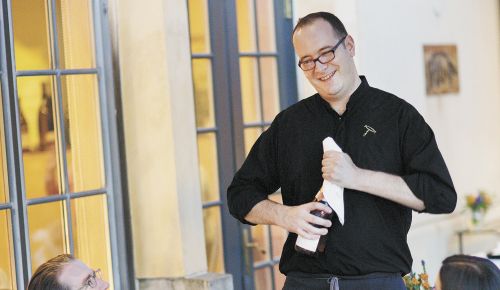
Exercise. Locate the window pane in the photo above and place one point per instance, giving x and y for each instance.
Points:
(38, 133)
(83, 132)
(263, 279)
(246, 25)
(207, 156)
(250, 94)
(265, 24)
(198, 26)
(90, 233)
(279, 278)
(7, 266)
(278, 234)
(31, 34)
(203, 93)
(47, 232)
(75, 33)
(251, 135)
(270, 87)
(213, 239)
(4, 190)
(260, 236)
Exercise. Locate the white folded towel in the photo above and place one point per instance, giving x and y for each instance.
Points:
(333, 193)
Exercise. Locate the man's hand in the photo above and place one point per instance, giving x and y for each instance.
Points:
(337, 167)
(295, 219)
(299, 220)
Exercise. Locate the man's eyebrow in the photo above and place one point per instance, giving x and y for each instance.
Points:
(319, 51)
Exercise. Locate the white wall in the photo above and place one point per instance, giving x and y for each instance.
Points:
(390, 45)
(390, 35)
(467, 125)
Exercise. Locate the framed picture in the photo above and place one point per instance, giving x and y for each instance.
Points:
(441, 69)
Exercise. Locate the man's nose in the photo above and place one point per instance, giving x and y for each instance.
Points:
(320, 66)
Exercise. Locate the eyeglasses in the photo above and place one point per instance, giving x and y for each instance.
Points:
(91, 281)
(324, 58)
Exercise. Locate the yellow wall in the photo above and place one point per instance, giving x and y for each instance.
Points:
(160, 137)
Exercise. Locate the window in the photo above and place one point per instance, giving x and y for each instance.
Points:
(56, 186)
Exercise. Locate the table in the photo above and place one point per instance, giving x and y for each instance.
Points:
(463, 233)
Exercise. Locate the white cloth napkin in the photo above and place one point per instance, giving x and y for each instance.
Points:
(333, 193)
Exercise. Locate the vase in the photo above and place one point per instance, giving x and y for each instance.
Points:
(477, 217)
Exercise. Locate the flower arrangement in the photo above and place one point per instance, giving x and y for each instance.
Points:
(480, 201)
(412, 282)
(478, 204)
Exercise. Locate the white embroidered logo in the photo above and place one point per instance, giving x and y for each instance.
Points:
(368, 130)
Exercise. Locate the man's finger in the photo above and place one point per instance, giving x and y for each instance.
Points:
(322, 206)
(310, 229)
(317, 205)
(319, 221)
(307, 235)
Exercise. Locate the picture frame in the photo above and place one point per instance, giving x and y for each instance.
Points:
(441, 69)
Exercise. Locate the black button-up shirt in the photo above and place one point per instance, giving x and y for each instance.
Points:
(380, 132)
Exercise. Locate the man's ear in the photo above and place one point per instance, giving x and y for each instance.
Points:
(350, 46)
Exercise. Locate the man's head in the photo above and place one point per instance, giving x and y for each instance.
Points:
(326, 52)
(65, 273)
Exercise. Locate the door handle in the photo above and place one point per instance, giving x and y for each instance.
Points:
(247, 245)
(250, 244)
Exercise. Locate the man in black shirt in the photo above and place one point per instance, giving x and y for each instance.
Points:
(390, 165)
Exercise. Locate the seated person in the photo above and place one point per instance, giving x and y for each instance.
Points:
(462, 272)
(66, 273)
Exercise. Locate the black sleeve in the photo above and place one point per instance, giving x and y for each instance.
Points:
(258, 176)
(425, 171)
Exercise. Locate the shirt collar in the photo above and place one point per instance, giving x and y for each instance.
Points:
(359, 94)
(356, 98)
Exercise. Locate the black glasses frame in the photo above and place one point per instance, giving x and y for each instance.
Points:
(314, 60)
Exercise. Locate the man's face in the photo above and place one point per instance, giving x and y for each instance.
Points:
(335, 79)
(77, 275)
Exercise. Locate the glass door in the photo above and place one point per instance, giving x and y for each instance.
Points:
(260, 95)
(207, 131)
(243, 75)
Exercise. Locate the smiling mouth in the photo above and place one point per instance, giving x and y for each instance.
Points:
(327, 77)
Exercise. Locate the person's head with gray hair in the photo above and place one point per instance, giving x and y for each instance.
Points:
(64, 272)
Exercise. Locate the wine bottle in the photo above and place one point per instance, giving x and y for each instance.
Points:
(316, 246)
